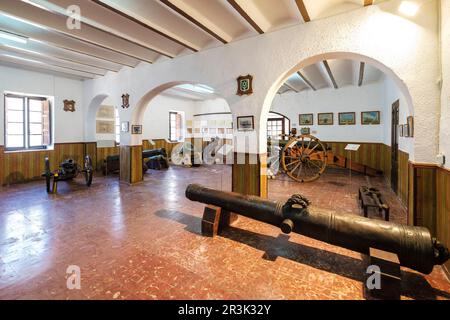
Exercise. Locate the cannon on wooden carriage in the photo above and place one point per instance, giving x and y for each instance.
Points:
(151, 159)
(155, 159)
(68, 170)
(304, 158)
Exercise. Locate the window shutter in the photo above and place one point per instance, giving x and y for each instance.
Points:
(46, 138)
(178, 126)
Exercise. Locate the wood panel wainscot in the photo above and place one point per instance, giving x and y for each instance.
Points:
(249, 174)
(22, 166)
(104, 152)
(374, 155)
(2, 165)
(131, 164)
(443, 209)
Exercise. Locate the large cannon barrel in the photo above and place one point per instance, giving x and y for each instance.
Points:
(414, 246)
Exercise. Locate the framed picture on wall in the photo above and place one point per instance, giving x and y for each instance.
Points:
(306, 119)
(406, 130)
(305, 130)
(410, 121)
(245, 123)
(125, 126)
(400, 130)
(136, 129)
(325, 118)
(370, 117)
(347, 118)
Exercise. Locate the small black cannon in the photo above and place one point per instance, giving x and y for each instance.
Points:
(68, 170)
(414, 246)
(155, 159)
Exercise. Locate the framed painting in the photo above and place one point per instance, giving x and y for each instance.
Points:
(347, 118)
(105, 127)
(370, 117)
(410, 121)
(125, 126)
(325, 119)
(245, 123)
(305, 130)
(306, 119)
(136, 129)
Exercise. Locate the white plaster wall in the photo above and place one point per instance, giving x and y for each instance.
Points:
(347, 99)
(392, 94)
(400, 46)
(110, 138)
(67, 126)
(445, 97)
(156, 117)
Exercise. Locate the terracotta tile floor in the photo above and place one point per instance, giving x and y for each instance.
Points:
(144, 242)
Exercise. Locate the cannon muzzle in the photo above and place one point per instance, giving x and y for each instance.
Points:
(414, 246)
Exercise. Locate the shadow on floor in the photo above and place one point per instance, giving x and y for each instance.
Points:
(414, 285)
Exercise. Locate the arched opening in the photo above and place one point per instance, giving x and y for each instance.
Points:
(103, 128)
(346, 101)
(193, 124)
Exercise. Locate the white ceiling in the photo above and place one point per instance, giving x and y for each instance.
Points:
(344, 72)
(117, 33)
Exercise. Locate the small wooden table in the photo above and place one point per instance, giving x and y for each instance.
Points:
(372, 198)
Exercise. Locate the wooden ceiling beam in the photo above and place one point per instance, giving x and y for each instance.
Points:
(193, 20)
(330, 74)
(308, 83)
(56, 21)
(244, 15)
(303, 11)
(291, 87)
(142, 24)
(362, 66)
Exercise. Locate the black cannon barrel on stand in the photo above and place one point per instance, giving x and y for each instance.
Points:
(414, 246)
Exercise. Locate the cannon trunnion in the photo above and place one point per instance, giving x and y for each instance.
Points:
(414, 246)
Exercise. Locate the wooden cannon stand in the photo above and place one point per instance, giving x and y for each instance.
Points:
(371, 198)
(387, 265)
(215, 219)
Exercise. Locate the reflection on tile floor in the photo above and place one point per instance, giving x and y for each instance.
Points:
(144, 242)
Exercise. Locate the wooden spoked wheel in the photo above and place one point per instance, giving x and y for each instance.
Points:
(304, 158)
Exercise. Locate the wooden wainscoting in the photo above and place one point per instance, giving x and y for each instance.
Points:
(158, 144)
(28, 165)
(2, 165)
(443, 209)
(131, 164)
(249, 177)
(90, 148)
(104, 152)
(374, 155)
(425, 196)
(403, 177)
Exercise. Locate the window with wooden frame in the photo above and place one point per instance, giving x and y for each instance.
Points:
(275, 127)
(175, 126)
(27, 122)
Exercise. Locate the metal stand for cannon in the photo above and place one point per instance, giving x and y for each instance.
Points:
(215, 219)
(389, 273)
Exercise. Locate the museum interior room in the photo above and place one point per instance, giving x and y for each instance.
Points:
(225, 149)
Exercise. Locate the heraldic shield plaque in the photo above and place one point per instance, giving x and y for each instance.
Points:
(245, 85)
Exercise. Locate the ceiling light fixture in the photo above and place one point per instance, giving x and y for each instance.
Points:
(408, 8)
(13, 37)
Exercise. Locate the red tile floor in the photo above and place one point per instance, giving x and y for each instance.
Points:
(144, 242)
